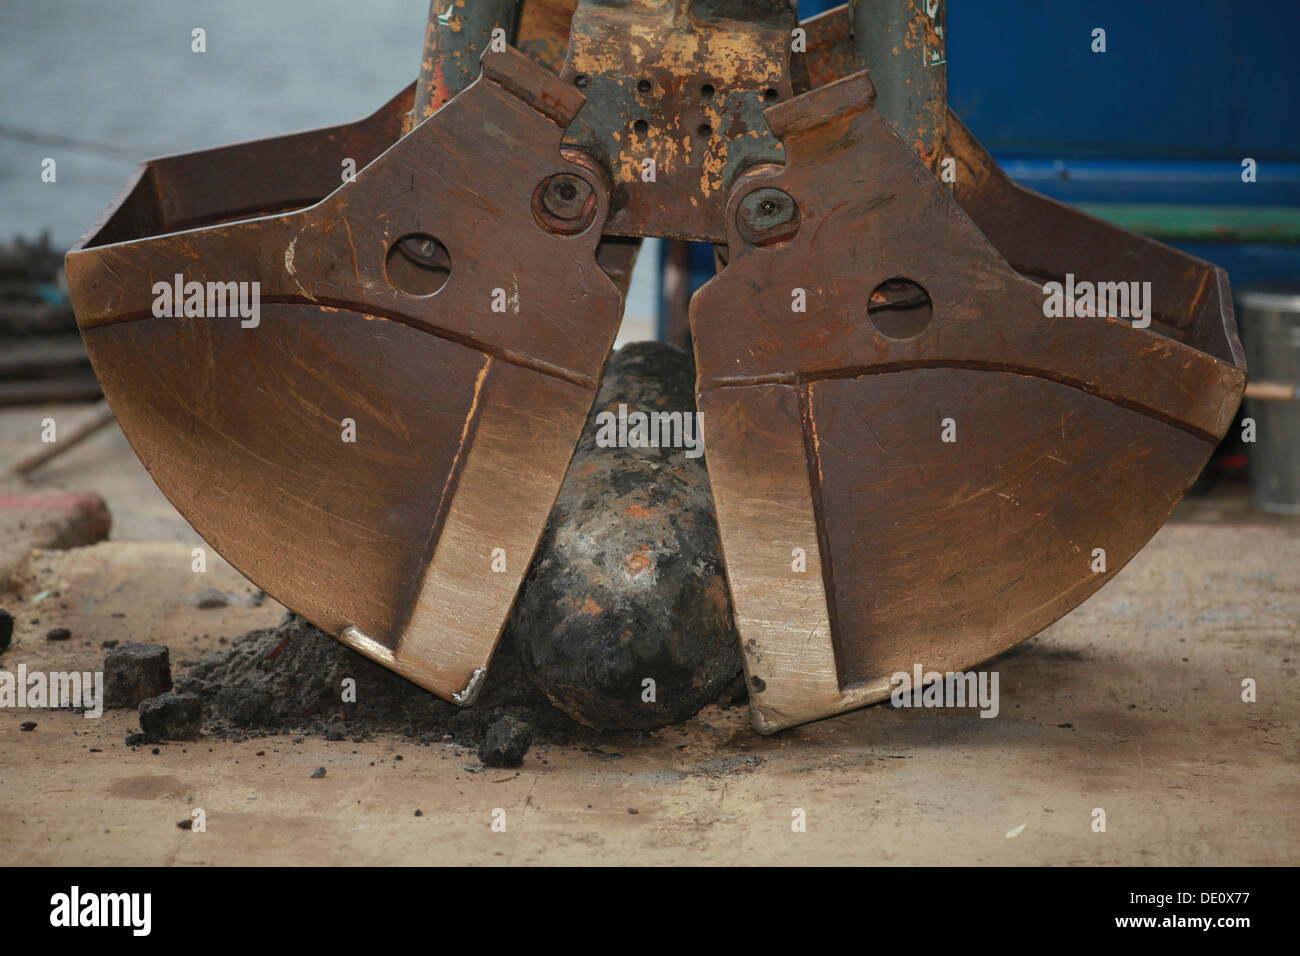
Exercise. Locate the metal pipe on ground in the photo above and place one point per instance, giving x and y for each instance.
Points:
(75, 432)
(1270, 325)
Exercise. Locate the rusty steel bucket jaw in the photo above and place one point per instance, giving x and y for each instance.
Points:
(366, 405)
(928, 477)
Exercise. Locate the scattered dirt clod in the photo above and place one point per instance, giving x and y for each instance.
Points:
(505, 743)
(211, 598)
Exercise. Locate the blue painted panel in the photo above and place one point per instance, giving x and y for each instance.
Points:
(1179, 78)
(1185, 182)
(1194, 79)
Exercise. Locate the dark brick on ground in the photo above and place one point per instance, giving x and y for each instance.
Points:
(171, 716)
(135, 672)
(6, 630)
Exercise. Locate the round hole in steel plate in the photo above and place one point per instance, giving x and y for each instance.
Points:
(418, 264)
(899, 308)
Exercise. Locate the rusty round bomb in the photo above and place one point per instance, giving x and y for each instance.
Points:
(628, 583)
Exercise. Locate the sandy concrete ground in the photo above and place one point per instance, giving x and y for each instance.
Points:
(1131, 704)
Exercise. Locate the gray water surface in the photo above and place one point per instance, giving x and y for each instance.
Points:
(121, 73)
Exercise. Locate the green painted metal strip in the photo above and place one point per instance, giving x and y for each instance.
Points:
(1279, 224)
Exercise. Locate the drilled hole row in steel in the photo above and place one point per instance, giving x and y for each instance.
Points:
(707, 90)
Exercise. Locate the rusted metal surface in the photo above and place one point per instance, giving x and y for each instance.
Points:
(243, 180)
(902, 43)
(1045, 239)
(455, 38)
(829, 53)
(675, 93)
(410, 540)
(829, 441)
(544, 31)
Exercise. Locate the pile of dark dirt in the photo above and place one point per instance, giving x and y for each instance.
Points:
(291, 678)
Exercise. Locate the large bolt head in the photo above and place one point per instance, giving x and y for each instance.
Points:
(564, 204)
(767, 216)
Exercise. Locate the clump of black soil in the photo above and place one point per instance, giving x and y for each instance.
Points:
(290, 678)
(506, 743)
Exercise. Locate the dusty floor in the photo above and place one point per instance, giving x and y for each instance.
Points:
(1131, 704)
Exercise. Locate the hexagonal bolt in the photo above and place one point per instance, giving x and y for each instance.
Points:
(564, 204)
(767, 216)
